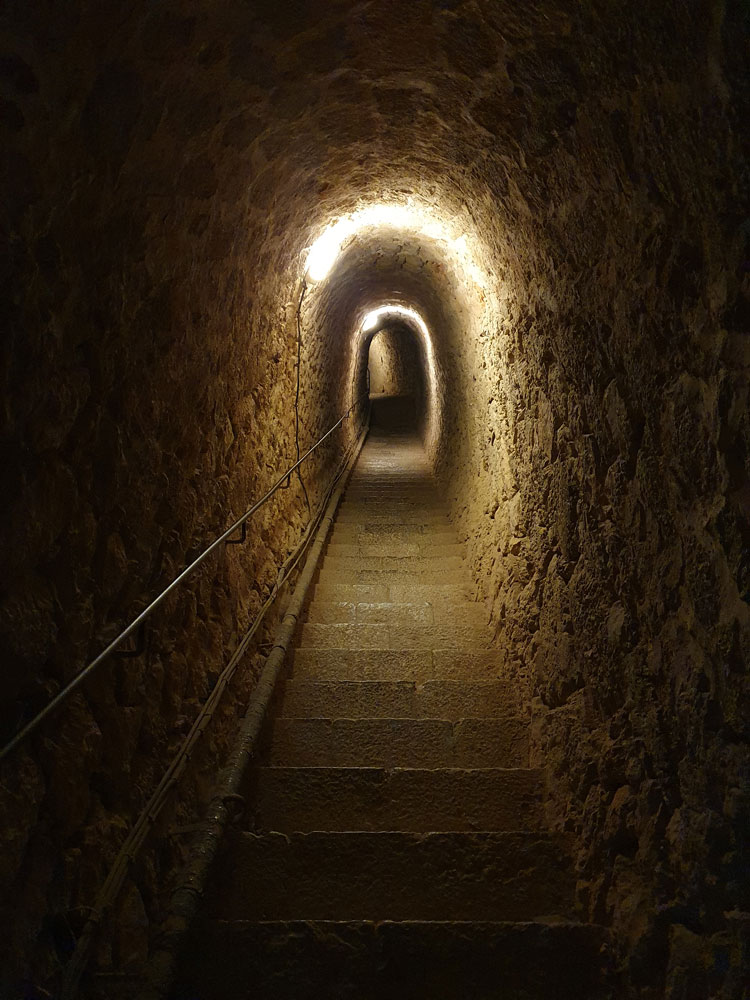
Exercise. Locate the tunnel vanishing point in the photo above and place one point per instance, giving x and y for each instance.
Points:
(521, 664)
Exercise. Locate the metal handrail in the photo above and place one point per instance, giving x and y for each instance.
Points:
(140, 830)
(138, 621)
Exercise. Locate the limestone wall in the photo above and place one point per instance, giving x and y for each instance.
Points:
(605, 492)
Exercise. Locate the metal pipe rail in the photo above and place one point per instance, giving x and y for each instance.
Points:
(187, 895)
(138, 621)
(141, 829)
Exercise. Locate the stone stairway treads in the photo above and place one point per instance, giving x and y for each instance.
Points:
(445, 612)
(421, 800)
(400, 664)
(433, 699)
(395, 960)
(315, 742)
(394, 842)
(382, 591)
(384, 875)
(398, 635)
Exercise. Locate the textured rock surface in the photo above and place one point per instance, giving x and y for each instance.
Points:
(163, 171)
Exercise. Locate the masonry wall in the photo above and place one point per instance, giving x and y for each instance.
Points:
(609, 525)
(148, 400)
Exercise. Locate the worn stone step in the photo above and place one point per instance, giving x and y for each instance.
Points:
(390, 486)
(324, 742)
(288, 799)
(387, 516)
(406, 577)
(395, 511)
(367, 534)
(388, 542)
(414, 565)
(401, 550)
(425, 548)
(367, 592)
(430, 591)
(399, 635)
(398, 664)
(517, 875)
(371, 517)
(397, 593)
(466, 613)
(394, 502)
(367, 613)
(388, 491)
(410, 960)
(342, 699)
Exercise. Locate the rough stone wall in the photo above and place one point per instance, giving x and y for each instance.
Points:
(610, 521)
(148, 388)
(165, 168)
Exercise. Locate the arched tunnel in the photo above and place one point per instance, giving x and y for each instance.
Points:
(532, 221)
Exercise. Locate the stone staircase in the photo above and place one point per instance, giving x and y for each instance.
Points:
(395, 845)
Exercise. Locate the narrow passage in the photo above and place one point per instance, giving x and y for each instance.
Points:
(395, 845)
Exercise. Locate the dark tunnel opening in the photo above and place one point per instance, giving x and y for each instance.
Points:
(395, 363)
(397, 378)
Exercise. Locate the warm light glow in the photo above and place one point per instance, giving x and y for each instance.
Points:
(372, 319)
(325, 249)
(409, 216)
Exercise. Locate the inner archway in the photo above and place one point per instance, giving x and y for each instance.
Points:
(394, 363)
(395, 375)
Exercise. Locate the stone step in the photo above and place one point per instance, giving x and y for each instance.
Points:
(466, 613)
(414, 960)
(401, 550)
(368, 613)
(388, 491)
(369, 534)
(381, 484)
(395, 501)
(323, 875)
(348, 592)
(386, 578)
(398, 593)
(394, 507)
(288, 799)
(371, 517)
(414, 565)
(425, 548)
(398, 664)
(388, 515)
(431, 591)
(399, 635)
(324, 742)
(395, 491)
(452, 700)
